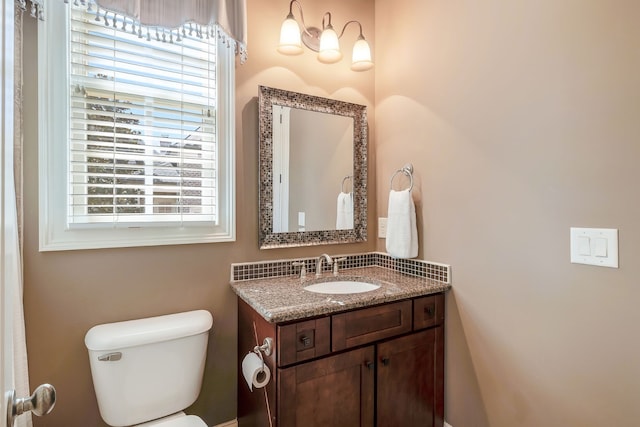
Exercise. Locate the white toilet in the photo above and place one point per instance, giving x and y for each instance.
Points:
(146, 371)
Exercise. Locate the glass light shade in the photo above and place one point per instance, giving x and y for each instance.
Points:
(290, 41)
(361, 58)
(329, 47)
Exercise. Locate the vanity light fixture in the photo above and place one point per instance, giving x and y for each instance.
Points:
(325, 41)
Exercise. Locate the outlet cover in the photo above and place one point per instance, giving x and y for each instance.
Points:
(382, 228)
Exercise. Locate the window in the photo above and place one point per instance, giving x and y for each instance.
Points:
(136, 135)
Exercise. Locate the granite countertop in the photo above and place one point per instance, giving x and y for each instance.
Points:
(281, 299)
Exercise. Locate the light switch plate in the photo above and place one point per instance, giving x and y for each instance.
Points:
(594, 246)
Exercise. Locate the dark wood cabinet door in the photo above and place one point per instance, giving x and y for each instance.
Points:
(409, 381)
(335, 391)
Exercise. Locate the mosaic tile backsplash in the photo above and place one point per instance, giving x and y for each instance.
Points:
(281, 268)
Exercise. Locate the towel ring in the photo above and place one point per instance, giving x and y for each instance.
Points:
(408, 171)
(343, 180)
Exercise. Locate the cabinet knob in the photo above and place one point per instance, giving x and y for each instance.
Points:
(385, 361)
(305, 340)
(368, 364)
(430, 310)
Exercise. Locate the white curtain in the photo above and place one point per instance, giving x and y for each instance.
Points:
(17, 122)
(12, 183)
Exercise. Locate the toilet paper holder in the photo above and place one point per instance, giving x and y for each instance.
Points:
(266, 348)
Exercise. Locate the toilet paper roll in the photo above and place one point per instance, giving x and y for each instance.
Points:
(255, 373)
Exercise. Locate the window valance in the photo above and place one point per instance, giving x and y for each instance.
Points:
(167, 20)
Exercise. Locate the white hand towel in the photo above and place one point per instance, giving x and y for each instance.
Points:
(344, 217)
(402, 234)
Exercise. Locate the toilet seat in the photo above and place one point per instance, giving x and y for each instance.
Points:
(180, 420)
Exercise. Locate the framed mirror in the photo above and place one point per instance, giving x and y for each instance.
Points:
(313, 170)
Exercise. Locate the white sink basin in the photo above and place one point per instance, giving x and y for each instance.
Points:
(341, 287)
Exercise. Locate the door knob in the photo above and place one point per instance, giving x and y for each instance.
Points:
(41, 402)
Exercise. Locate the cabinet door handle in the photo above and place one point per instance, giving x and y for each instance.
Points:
(429, 310)
(385, 361)
(368, 364)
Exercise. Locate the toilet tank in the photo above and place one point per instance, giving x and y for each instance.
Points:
(148, 368)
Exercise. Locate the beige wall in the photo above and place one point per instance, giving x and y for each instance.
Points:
(66, 293)
(522, 119)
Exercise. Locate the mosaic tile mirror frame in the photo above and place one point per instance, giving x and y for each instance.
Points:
(267, 99)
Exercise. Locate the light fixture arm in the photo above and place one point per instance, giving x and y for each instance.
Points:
(345, 27)
(328, 24)
(304, 25)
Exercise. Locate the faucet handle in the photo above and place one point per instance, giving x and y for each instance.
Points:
(303, 270)
(335, 264)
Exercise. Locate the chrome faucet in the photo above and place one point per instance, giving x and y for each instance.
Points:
(319, 263)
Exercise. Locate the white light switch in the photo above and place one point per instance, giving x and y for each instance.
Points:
(600, 247)
(594, 246)
(584, 245)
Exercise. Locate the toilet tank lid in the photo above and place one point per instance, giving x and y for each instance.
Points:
(130, 333)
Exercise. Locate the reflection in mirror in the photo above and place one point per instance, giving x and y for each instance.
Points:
(303, 158)
(312, 170)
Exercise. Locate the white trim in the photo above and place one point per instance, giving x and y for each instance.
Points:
(446, 424)
(232, 423)
(281, 168)
(227, 129)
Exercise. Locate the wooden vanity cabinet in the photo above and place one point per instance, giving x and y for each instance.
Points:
(374, 366)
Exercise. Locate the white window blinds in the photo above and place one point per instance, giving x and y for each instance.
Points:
(143, 147)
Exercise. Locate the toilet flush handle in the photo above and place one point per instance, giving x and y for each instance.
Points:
(110, 357)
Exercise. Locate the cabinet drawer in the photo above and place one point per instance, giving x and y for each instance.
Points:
(428, 311)
(303, 340)
(370, 324)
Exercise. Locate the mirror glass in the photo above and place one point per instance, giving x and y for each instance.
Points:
(312, 170)
(302, 160)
